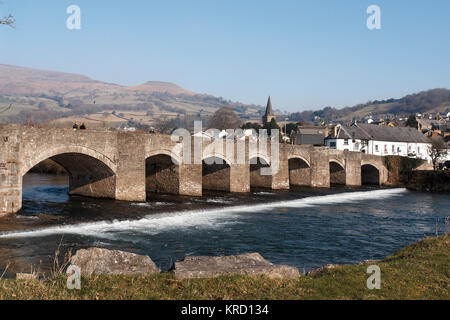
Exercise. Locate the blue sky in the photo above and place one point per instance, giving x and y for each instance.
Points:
(306, 54)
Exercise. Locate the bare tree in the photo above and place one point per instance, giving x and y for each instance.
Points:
(437, 151)
(225, 118)
(166, 126)
(8, 20)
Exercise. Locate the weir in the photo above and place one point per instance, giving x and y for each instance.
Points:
(128, 165)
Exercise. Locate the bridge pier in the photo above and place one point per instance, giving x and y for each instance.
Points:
(130, 175)
(280, 178)
(320, 169)
(240, 178)
(10, 178)
(190, 180)
(352, 169)
(257, 179)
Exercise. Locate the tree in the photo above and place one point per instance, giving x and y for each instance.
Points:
(251, 125)
(271, 125)
(412, 122)
(8, 20)
(291, 127)
(437, 151)
(224, 118)
(166, 126)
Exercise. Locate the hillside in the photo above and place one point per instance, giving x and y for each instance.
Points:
(431, 101)
(41, 96)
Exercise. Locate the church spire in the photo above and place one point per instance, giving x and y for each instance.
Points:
(269, 108)
(268, 116)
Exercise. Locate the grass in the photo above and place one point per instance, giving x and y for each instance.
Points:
(420, 271)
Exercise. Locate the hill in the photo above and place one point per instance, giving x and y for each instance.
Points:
(41, 96)
(431, 101)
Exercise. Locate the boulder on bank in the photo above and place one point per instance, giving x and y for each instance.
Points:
(364, 262)
(322, 269)
(244, 264)
(104, 261)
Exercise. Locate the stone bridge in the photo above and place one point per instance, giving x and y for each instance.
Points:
(130, 165)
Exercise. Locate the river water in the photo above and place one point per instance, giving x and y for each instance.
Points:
(303, 227)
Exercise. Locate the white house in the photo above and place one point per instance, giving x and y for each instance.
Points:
(381, 141)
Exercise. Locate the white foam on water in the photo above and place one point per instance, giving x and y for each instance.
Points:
(150, 204)
(205, 219)
(219, 201)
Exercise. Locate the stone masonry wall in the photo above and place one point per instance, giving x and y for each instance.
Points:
(113, 164)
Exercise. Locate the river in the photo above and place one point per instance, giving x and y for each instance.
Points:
(303, 227)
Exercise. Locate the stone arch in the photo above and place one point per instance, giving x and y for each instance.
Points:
(337, 172)
(299, 171)
(91, 173)
(300, 158)
(216, 176)
(217, 155)
(264, 157)
(47, 154)
(162, 173)
(257, 179)
(370, 174)
(176, 159)
(338, 161)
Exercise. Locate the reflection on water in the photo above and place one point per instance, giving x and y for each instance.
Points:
(304, 227)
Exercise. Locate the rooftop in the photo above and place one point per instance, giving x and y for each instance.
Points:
(374, 132)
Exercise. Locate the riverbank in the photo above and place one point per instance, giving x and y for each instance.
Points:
(419, 271)
(430, 181)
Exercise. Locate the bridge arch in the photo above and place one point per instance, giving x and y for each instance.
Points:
(91, 173)
(299, 171)
(217, 156)
(162, 173)
(370, 174)
(49, 153)
(257, 178)
(176, 159)
(337, 172)
(256, 155)
(216, 173)
(291, 157)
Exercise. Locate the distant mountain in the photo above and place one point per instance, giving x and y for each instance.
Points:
(26, 81)
(30, 92)
(430, 101)
(162, 87)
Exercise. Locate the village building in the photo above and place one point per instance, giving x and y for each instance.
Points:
(380, 140)
(309, 135)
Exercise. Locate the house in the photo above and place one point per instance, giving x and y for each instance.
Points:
(309, 135)
(381, 141)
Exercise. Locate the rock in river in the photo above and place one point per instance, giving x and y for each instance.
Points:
(248, 264)
(104, 261)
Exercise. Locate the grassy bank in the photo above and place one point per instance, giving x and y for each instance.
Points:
(420, 271)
